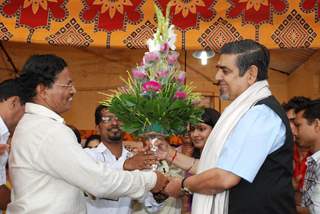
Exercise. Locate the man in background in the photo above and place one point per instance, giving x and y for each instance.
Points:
(300, 152)
(113, 154)
(11, 110)
(307, 122)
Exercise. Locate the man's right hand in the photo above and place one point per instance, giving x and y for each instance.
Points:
(3, 148)
(161, 183)
(164, 150)
(141, 160)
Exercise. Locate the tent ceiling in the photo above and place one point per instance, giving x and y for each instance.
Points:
(128, 24)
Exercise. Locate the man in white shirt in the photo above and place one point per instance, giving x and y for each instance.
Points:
(307, 122)
(49, 168)
(11, 110)
(113, 154)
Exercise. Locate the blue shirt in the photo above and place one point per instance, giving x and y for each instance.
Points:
(258, 133)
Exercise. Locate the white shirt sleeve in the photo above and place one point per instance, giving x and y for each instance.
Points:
(63, 158)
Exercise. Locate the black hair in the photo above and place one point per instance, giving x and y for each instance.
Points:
(311, 111)
(10, 88)
(296, 103)
(91, 138)
(98, 115)
(210, 116)
(249, 53)
(40, 69)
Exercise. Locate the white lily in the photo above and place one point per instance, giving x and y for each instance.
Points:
(153, 45)
(172, 37)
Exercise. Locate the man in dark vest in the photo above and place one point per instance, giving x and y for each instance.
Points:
(246, 165)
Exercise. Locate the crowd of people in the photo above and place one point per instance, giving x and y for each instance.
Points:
(256, 157)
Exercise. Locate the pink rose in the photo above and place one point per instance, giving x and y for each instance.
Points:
(180, 95)
(181, 77)
(162, 74)
(172, 57)
(138, 74)
(151, 57)
(164, 48)
(151, 86)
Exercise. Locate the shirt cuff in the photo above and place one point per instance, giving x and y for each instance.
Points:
(150, 178)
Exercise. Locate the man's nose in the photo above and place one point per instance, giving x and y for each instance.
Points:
(73, 90)
(114, 121)
(218, 75)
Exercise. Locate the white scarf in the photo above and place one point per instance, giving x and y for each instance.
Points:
(202, 204)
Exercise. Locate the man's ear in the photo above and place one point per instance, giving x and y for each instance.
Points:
(13, 101)
(317, 125)
(41, 91)
(252, 74)
(98, 130)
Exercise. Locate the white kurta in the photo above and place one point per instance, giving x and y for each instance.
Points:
(50, 170)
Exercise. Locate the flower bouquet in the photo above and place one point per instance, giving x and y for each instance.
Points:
(156, 98)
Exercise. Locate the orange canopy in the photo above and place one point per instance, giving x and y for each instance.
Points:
(200, 24)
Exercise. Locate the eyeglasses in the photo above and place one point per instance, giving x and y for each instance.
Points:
(109, 118)
(69, 85)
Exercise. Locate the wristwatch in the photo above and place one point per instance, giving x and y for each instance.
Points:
(185, 189)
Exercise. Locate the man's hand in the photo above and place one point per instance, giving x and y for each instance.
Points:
(161, 183)
(165, 151)
(141, 160)
(173, 188)
(3, 148)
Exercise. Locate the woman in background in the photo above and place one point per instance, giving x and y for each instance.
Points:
(198, 137)
(92, 141)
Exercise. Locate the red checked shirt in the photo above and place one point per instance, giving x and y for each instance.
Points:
(299, 167)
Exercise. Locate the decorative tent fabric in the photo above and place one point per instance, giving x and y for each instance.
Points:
(200, 24)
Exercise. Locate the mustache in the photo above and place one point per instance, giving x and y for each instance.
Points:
(219, 82)
(114, 127)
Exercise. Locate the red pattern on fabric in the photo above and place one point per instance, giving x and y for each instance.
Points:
(39, 18)
(191, 21)
(300, 167)
(311, 5)
(105, 22)
(253, 16)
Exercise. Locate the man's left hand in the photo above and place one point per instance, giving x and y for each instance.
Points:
(173, 188)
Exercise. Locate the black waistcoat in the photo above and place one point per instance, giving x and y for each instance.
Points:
(271, 191)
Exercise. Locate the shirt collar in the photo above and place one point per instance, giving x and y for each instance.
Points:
(33, 108)
(315, 157)
(102, 148)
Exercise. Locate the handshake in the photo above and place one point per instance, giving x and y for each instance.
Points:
(166, 186)
(144, 158)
